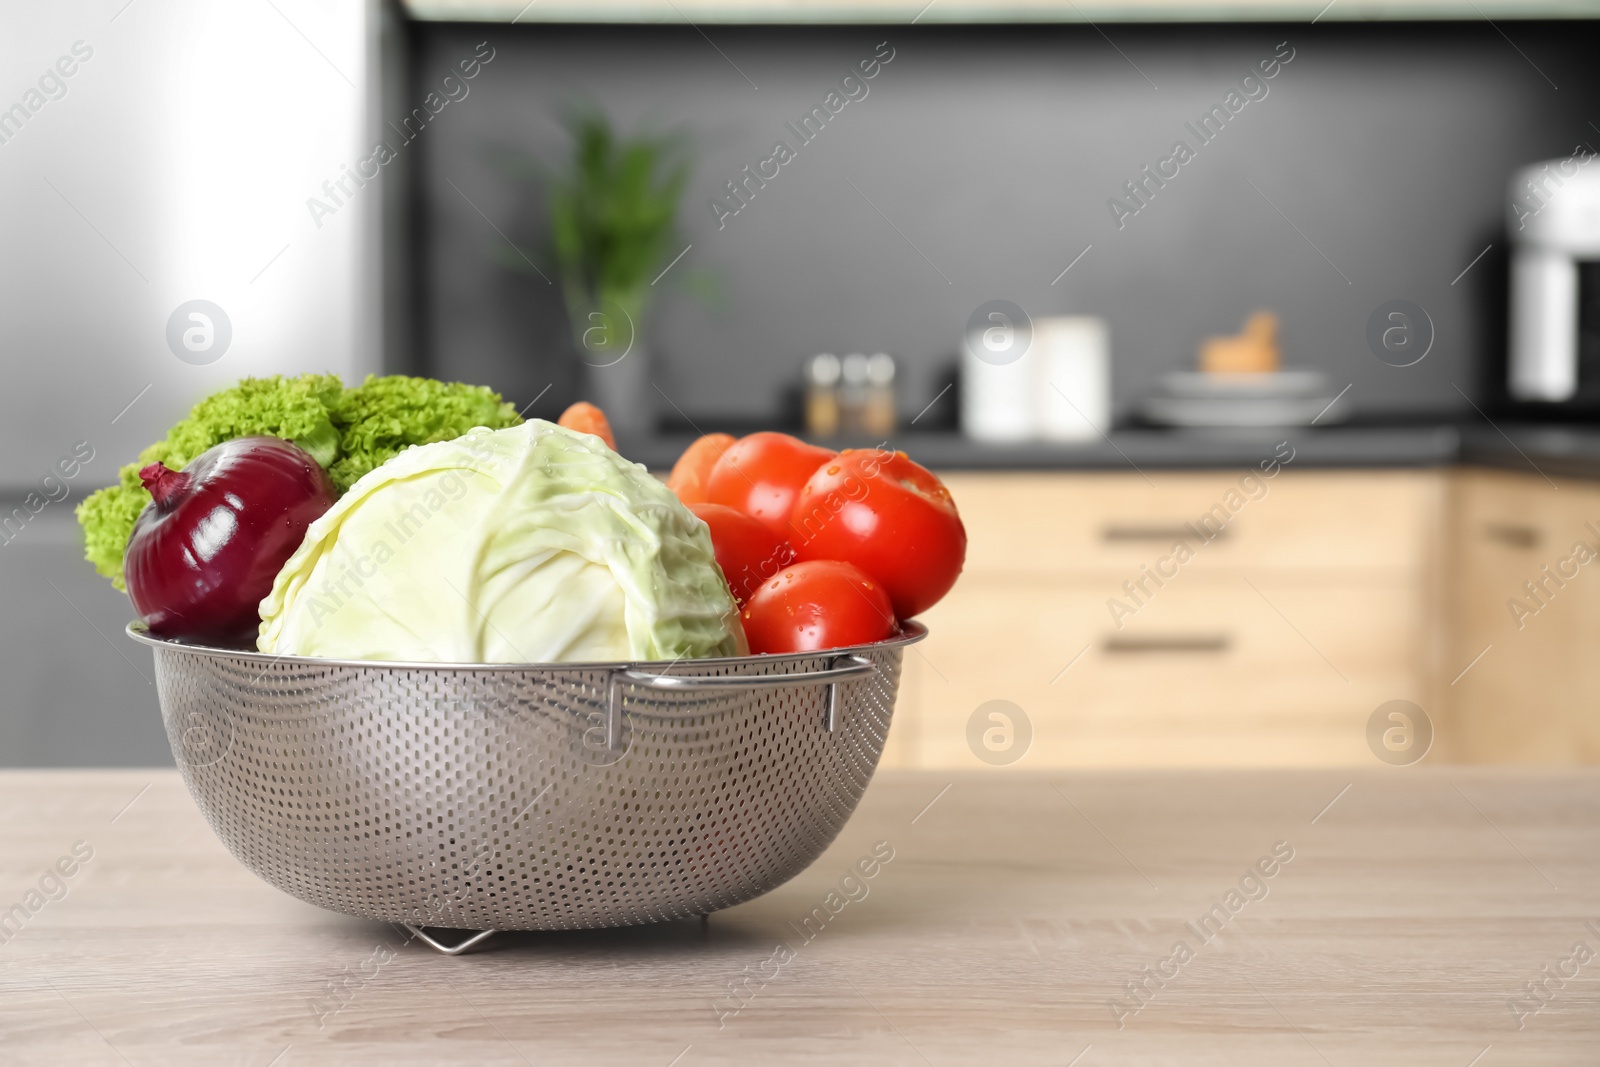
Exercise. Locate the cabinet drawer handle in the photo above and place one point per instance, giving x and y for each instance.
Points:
(1513, 535)
(1156, 531)
(1123, 646)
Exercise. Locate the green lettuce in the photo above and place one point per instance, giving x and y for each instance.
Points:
(533, 544)
(385, 416)
(347, 431)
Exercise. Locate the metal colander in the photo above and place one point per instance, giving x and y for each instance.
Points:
(516, 797)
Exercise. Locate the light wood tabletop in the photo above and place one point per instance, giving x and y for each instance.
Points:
(1436, 916)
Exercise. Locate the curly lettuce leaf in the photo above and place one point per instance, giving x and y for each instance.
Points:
(107, 517)
(382, 417)
(296, 409)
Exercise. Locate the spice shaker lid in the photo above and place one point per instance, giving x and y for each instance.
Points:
(880, 368)
(823, 370)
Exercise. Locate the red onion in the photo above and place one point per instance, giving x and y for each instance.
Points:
(206, 549)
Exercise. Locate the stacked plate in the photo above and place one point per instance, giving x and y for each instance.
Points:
(1279, 398)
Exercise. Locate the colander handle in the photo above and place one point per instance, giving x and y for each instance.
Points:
(839, 669)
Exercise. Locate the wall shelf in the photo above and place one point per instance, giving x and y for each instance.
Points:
(826, 12)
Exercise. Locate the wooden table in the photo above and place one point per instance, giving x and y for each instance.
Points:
(1417, 906)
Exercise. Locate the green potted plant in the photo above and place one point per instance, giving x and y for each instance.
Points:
(613, 216)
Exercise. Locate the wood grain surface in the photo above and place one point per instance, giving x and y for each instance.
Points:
(1418, 905)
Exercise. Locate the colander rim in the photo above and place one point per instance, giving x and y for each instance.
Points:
(911, 631)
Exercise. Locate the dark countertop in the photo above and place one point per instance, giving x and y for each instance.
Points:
(1537, 448)
(1554, 450)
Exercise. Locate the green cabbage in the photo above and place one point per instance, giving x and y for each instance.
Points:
(533, 544)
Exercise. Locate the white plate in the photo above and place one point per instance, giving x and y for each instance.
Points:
(1230, 411)
(1302, 384)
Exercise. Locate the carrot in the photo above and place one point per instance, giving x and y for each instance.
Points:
(584, 417)
(693, 469)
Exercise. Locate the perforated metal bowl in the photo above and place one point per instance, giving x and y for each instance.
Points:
(517, 797)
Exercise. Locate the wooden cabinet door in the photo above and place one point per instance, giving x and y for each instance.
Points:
(1350, 522)
(1526, 619)
(1212, 671)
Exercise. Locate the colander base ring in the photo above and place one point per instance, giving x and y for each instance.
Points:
(461, 948)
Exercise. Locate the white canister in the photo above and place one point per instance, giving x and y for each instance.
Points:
(998, 375)
(1022, 380)
(1072, 361)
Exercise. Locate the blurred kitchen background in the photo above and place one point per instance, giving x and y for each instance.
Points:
(997, 153)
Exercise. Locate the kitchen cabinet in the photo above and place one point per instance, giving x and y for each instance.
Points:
(1290, 619)
(1525, 609)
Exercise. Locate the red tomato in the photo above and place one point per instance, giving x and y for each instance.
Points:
(747, 551)
(689, 474)
(761, 475)
(817, 605)
(889, 517)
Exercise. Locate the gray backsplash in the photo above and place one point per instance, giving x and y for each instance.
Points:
(980, 164)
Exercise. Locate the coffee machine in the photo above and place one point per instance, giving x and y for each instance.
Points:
(1555, 282)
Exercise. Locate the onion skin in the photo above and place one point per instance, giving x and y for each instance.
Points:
(206, 549)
